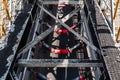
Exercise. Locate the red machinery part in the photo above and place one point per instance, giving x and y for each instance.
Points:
(64, 31)
(64, 51)
(56, 51)
(61, 31)
(61, 5)
(59, 51)
(81, 77)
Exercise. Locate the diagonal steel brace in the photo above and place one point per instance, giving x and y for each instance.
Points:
(75, 33)
(34, 42)
(72, 13)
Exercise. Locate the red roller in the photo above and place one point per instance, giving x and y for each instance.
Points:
(64, 31)
(52, 49)
(61, 5)
(59, 51)
(81, 77)
(56, 51)
(59, 31)
(64, 51)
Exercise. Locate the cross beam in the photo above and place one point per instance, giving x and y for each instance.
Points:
(60, 2)
(75, 33)
(43, 35)
(35, 41)
(59, 63)
(71, 14)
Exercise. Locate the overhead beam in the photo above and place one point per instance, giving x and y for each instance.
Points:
(58, 63)
(75, 33)
(60, 2)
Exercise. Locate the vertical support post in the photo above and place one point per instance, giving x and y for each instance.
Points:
(115, 9)
(1, 17)
(10, 7)
(112, 23)
(0, 31)
(114, 16)
(118, 34)
(7, 9)
(4, 28)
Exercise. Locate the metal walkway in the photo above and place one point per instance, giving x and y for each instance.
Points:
(109, 51)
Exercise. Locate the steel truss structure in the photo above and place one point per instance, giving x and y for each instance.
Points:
(93, 51)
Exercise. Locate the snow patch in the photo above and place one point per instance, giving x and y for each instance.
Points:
(20, 34)
(3, 77)
(12, 28)
(15, 48)
(9, 60)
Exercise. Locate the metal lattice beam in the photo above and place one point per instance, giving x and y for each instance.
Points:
(68, 16)
(67, 27)
(35, 41)
(59, 63)
(32, 43)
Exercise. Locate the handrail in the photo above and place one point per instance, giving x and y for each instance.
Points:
(118, 33)
(7, 10)
(116, 8)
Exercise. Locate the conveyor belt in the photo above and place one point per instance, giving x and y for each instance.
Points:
(14, 38)
(110, 52)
